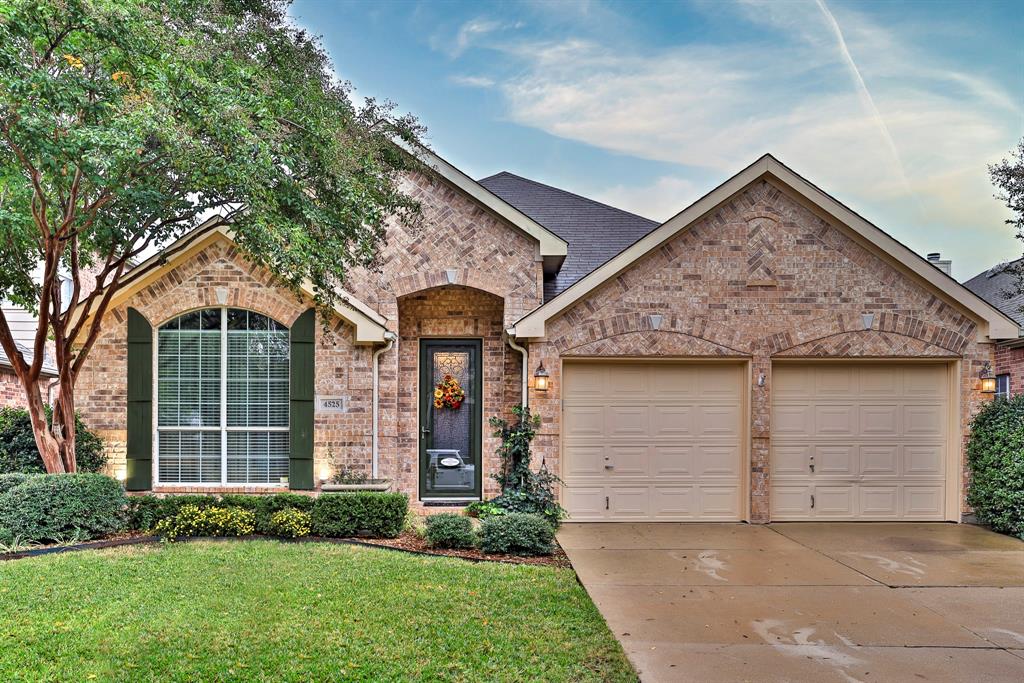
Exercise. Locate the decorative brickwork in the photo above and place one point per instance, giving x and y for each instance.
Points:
(760, 277)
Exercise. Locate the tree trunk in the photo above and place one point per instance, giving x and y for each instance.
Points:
(48, 444)
(64, 420)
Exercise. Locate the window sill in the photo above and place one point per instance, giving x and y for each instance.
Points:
(211, 489)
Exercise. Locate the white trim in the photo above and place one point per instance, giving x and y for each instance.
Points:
(995, 325)
(370, 325)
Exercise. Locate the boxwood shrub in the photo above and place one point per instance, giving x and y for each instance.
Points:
(517, 533)
(10, 480)
(363, 512)
(995, 453)
(57, 506)
(267, 506)
(19, 453)
(450, 531)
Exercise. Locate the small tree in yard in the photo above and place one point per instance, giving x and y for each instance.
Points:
(125, 123)
(1008, 177)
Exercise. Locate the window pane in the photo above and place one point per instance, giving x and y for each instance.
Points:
(257, 457)
(189, 457)
(188, 375)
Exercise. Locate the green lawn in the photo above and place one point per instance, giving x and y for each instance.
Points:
(263, 610)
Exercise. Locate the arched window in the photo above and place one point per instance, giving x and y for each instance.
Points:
(222, 399)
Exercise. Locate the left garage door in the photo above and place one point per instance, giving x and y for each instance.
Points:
(652, 441)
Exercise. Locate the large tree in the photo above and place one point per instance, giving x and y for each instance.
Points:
(1008, 177)
(125, 123)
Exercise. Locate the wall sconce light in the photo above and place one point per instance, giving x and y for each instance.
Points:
(541, 378)
(988, 380)
(121, 474)
(325, 473)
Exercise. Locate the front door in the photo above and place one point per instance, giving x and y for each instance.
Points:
(450, 418)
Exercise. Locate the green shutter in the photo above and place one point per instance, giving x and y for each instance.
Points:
(303, 335)
(140, 403)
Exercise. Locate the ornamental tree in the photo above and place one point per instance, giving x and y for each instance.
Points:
(1008, 177)
(126, 123)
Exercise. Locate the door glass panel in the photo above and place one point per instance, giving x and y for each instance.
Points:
(450, 458)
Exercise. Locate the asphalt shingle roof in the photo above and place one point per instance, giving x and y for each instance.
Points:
(595, 231)
(991, 285)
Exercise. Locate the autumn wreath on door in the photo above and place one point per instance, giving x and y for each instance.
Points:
(448, 393)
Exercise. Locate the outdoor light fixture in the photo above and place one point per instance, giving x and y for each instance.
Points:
(325, 472)
(988, 380)
(122, 474)
(540, 378)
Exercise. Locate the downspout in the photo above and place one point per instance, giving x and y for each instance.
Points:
(389, 339)
(526, 364)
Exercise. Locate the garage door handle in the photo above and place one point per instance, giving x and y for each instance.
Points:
(812, 501)
(609, 467)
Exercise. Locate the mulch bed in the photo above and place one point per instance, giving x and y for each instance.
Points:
(407, 542)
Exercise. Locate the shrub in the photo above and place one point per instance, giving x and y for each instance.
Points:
(10, 480)
(239, 500)
(211, 521)
(483, 509)
(144, 512)
(18, 451)
(290, 523)
(267, 506)
(450, 531)
(57, 506)
(517, 533)
(995, 452)
(348, 514)
(522, 489)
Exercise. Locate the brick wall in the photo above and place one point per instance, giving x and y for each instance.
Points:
(760, 277)
(1011, 362)
(11, 393)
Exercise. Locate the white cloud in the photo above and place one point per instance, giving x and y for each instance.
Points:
(473, 81)
(658, 201)
(719, 107)
(469, 34)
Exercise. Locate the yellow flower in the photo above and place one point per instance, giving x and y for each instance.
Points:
(74, 61)
(437, 393)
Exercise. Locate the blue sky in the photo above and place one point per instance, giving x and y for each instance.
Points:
(894, 108)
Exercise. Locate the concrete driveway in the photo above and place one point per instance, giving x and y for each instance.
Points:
(808, 601)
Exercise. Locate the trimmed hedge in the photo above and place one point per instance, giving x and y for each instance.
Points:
(211, 521)
(19, 453)
(145, 512)
(450, 531)
(268, 506)
(56, 506)
(363, 512)
(11, 479)
(517, 533)
(995, 453)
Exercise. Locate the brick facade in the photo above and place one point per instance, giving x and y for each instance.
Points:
(761, 277)
(1010, 362)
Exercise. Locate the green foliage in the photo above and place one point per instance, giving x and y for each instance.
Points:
(290, 523)
(995, 453)
(517, 533)
(362, 512)
(522, 489)
(144, 512)
(55, 506)
(267, 506)
(210, 521)
(482, 509)
(9, 481)
(450, 531)
(1008, 178)
(19, 453)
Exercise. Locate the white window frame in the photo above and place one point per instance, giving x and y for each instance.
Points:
(223, 428)
(1006, 393)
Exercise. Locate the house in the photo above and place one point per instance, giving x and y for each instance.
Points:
(996, 286)
(766, 354)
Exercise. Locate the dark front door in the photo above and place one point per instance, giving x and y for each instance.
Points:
(450, 418)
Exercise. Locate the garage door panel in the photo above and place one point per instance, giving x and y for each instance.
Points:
(923, 501)
(672, 461)
(924, 461)
(880, 420)
(670, 431)
(834, 420)
(879, 450)
(836, 461)
(583, 461)
(671, 421)
(880, 461)
(580, 421)
(924, 420)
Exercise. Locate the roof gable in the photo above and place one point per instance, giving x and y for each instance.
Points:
(993, 284)
(995, 324)
(595, 232)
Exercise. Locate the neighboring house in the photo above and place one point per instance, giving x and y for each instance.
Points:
(765, 354)
(23, 329)
(993, 286)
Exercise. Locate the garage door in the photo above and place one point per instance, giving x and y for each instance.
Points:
(859, 441)
(652, 441)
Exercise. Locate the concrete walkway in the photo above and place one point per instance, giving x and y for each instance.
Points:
(807, 602)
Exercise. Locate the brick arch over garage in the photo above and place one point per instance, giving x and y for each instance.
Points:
(613, 334)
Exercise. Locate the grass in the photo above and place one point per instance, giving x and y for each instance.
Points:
(269, 611)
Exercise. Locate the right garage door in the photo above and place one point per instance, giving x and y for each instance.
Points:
(859, 441)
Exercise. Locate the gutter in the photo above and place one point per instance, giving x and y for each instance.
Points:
(389, 342)
(510, 338)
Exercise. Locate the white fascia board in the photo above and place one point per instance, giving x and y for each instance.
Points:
(999, 326)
